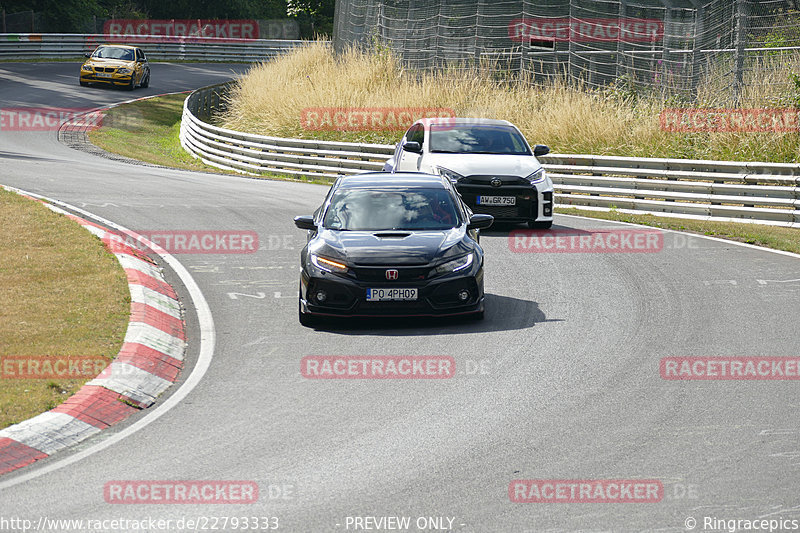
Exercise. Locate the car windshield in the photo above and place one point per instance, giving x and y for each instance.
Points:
(391, 209)
(477, 139)
(113, 52)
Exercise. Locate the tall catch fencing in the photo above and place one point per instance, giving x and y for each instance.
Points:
(712, 51)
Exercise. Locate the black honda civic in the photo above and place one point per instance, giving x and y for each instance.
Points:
(400, 244)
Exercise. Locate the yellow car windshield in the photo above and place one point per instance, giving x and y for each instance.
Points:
(111, 52)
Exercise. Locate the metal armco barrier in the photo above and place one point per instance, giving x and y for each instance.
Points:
(24, 46)
(767, 193)
(249, 153)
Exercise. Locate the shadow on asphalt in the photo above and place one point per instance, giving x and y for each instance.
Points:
(503, 313)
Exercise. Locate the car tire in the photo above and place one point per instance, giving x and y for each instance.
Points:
(146, 82)
(478, 316)
(132, 85)
(540, 225)
(83, 83)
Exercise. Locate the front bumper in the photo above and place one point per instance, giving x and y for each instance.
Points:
(531, 204)
(116, 80)
(347, 297)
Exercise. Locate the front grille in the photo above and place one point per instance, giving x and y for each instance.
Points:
(497, 211)
(525, 208)
(478, 179)
(378, 274)
(105, 69)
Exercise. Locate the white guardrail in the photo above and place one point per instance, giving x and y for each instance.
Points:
(766, 193)
(25, 46)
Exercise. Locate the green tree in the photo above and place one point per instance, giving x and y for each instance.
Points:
(315, 17)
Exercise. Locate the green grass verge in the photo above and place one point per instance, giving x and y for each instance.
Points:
(153, 137)
(62, 295)
(149, 131)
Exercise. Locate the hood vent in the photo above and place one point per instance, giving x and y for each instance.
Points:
(392, 235)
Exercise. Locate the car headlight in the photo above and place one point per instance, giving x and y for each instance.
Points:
(124, 71)
(86, 67)
(328, 265)
(447, 173)
(455, 265)
(536, 176)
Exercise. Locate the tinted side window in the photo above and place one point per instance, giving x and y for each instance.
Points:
(416, 134)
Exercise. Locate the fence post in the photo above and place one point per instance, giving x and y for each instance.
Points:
(741, 37)
(623, 5)
(478, 18)
(697, 55)
(571, 43)
(437, 36)
(525, 48)
(665, 57)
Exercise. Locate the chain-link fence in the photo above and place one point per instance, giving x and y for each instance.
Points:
(713, 51)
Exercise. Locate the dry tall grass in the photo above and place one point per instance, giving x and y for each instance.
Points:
(270, 99)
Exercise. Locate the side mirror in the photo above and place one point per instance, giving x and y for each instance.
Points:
(412, 146)
(541, 149)
(305, 222)
(87, 55)
(480, 221)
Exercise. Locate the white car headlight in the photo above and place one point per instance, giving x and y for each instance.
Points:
(447, 173)
(86, 67)
(328, 265)
(455, 265)
(537, 176)
(124, 71)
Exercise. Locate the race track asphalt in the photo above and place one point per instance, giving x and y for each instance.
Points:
(567, 384)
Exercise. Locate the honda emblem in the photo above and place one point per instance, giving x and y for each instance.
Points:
(392, 274)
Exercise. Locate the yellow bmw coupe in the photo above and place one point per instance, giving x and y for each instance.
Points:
(118, 65)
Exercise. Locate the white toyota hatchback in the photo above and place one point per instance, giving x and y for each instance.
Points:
(489, 161)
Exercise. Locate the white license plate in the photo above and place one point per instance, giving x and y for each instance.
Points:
(104, 74)
(497, 200)
(391, 295)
